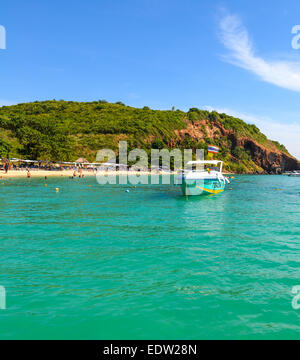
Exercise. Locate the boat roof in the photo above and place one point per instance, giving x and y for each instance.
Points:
(203, 162)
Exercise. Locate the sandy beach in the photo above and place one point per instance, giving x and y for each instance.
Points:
(41, 173)
(66, 173)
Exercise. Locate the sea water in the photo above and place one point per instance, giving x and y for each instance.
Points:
(97, 262)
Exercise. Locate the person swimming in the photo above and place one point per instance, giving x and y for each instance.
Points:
(28, 174)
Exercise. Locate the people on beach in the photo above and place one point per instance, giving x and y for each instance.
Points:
(9, 169)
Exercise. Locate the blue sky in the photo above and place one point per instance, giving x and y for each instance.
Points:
(233, 56)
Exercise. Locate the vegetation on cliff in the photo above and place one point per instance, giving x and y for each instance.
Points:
(66, 130)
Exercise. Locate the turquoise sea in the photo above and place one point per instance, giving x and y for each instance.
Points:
(95, 262)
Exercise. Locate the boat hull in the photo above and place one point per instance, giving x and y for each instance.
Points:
(193, 187)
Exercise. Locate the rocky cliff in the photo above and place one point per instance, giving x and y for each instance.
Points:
(268, 158)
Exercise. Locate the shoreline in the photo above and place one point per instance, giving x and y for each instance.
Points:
(22, 174)
(69, 173)
(40, 174)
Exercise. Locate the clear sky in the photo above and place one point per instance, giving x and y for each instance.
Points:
(234, 56)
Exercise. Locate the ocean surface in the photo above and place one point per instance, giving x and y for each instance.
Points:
(96, 262)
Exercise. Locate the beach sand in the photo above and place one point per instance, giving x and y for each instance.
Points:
(69, 173)
(41, 173)
(63, 173)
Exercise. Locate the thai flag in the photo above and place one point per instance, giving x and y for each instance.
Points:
(213, 149)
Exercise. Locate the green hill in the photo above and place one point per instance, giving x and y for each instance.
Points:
(66, 130)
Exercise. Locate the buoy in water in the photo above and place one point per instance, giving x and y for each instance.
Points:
(57, 189)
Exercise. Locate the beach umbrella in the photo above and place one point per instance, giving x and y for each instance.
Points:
(81, 161)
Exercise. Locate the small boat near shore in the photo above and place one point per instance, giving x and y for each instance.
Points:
(207, 178)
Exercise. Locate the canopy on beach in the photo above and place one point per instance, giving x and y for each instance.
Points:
(82, 161)
(28, 161)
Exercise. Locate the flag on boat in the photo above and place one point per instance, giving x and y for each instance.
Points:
(213, 149)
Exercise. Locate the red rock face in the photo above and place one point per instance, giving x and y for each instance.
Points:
(268, 157)
(272, 161)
